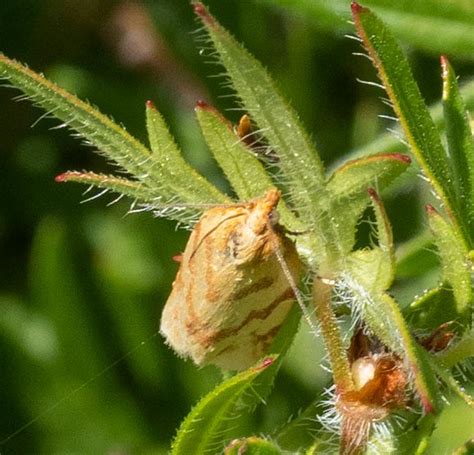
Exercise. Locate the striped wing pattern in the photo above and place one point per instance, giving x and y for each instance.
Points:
(230, 295)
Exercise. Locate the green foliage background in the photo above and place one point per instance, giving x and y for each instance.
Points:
(82, 286)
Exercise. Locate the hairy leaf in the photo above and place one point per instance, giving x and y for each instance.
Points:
(166, 160)
(461, 149)
(121, 185)
(453, 253)
(242, 168)
(418, 126)
(448, 378)
(98, 129)
(277, 121)
(348, 187)
(203, 429)
(384, 230)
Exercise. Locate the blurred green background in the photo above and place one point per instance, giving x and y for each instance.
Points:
(82, 285)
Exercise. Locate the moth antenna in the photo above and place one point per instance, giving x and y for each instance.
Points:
(208, 233)
(294, 287)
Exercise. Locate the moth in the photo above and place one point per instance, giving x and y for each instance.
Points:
(231, 294)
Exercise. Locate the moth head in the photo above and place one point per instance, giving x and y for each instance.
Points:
(263, 211)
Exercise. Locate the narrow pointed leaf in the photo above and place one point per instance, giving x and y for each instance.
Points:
(453, 253)
(244, 171)
(461, 148)
(166, 159)
(98, 129)
(384, 228)
(448, 378)
(144, 198)
(417, 124)
(203, 429)
(121, 185)
(349, 184)
(302, 170)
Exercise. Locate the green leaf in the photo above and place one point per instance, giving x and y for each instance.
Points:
(121, 185)
(418, 22)
(204, 428)
(252, 446)
(384, 230)
(447, 377)
(453, 253)
(244, 171)
(408, 104)
(461, 149)
(348, 187)
(175, 180)
(278, 122)
(373, 268)
(167, 161)
(98, 129)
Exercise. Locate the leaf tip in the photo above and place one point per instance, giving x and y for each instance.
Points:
(357, 8)
(61, 177)
(201, 104)
(202, 12)
(427, 405)
(266, 363)
(430, 210)
(444, 62)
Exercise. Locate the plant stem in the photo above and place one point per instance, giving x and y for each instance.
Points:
(332, 336)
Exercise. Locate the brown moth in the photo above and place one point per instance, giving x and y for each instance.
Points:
(231, 293)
